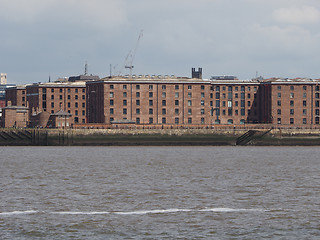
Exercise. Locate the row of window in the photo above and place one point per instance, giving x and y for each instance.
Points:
(202, 87)
(76, 90)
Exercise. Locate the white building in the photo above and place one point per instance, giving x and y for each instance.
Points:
(3, 78)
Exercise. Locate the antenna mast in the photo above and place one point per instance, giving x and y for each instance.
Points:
(86, 69)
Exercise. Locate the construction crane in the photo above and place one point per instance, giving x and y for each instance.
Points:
(128, 63)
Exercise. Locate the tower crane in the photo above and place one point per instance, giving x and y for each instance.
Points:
(128, 63)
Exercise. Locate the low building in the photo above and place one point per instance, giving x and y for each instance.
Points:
(15, 116)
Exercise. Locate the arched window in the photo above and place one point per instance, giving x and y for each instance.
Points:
(242, 121)
(217, 121)
(317, 120)
(230, 121)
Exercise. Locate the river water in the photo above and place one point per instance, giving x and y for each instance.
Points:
(160, 193)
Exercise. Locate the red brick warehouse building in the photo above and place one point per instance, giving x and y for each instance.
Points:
(174, 100)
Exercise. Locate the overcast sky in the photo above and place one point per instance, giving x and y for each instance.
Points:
(276, 38)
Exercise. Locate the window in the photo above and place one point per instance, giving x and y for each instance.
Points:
(304, 103)
(176, 87)
(255, 89)
(52, 90)
(236, 112)
(291, 95)
(83, 90)
(176, 102)
(223, 103)
(76, 119)
(218, 103)
(243, 103)
(111, 111)
(202, 120)
(236, 95)
(76, 97)
(189, 103)
(291, 103)
(279, 111)
(83, 97)
(202, 111)
(137, 120)
(279, 88)
(279, 120)
(223, 88)
(124, 94)
(304, 111)
(44, 90)
(211, 95)
(217, 95)
(218, 88)
(202, 87)
(137, 94)
(279, 95)
(230, 88)
(60, 97)
(124, 86)
(291, 120)
(223, 95)
(111, 94)
(137, 87)
(164, 94)
(52, 97)
(83, 105)
(291, 111)
(176, 94)
(111, 86)
(76, 112)
(279, 103)
(317, 112)
(111, 102)
(304, 95)
(124, 111)
(150, 94)
(52, 104)
(317, 88)
(249, 103)
(304, 121)
(317, 120)
(249, 95)
(189, 120)
(163, 87)
(242, 96)
(150, 111)
(211, 103)
(76, 90)
(317, 104)
(111, 119)
(202, 102)
(150, 102)
(189, 87)
(176, 111)
(291, 87)
(236, 103)
(229, 95)
(189, 94)
(138, 111)
(150, 87)
(176, 120)
(230, 112)
(124, 102)
(164, 111)
(164, 103)
(69, 104)
(138, 102)
(150, 120)
(236, 88)
(249, 88)
(242, 112)
(229, 104)
(76, 105)
(189, 111)
(164, 120)
(242, 88)
(317, 95)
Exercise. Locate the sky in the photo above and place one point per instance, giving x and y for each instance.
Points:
(244, 38)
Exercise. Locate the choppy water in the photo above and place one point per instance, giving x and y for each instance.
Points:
(159, 193)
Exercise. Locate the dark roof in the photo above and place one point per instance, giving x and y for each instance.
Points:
(84, 78)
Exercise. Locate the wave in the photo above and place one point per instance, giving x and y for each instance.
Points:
(19, 212)
(138, 212)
